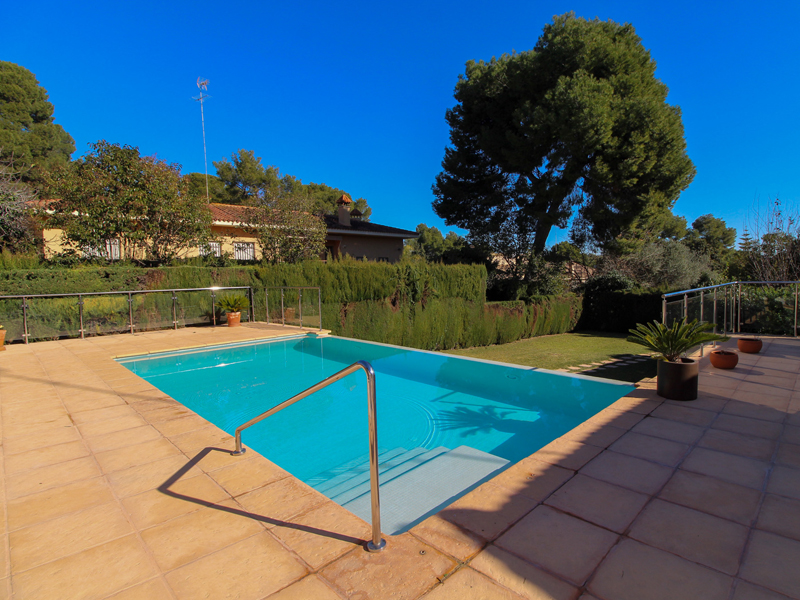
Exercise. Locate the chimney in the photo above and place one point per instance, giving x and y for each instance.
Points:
(344, 204)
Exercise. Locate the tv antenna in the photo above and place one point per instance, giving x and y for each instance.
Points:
(202, 85)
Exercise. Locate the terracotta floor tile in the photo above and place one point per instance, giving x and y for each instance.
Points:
(748, 591)
(785, 481)
(155, 507)
(448, 538)
(488, 510)
(736, 443)
(468, 583)
(57, 501)
(567, 453)
(650, 448)
(94, 572)
(748, 426)
(617, 418)
(248, 570)
(66, 535)
(323, 534)
(596, 434)
(281, 500)
(789, 455)
(598, 502)
(103, 414)
(521, 577)
(638, 402)
(311, 587)
(209, 436)
(634, 571)
(691, 534)
(83, 402)
(780, 515)
(121, 439)
(771, 561)
(12, 430)
(747, 390)
(629, 472)
(189, 537)
(180, 426)
(44, 478)
(148, 477)
(44, 457)
(132, 456)
(533, 478)
(713, 496)
(685, 414)
(150, 590)
(110, 425)
(402, 571)
(791, 435)
(754, 411)
(735, 469)
(41, 439)
(560, 543)
(669, 430)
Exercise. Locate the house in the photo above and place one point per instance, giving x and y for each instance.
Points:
(347, 234)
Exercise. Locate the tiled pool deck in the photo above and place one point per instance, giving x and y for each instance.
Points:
(111, 489)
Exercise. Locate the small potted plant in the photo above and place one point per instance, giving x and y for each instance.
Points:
(723, 359)
(749, 345)
(2, 338)
(677, 375)
(233, 307)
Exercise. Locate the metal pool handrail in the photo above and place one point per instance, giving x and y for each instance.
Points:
(377, 543)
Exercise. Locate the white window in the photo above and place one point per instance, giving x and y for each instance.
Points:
(244, 251)
(211, 249)
(110, 251)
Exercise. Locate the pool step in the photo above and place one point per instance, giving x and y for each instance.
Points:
(332, 477)
(415, 493)
(359, 484)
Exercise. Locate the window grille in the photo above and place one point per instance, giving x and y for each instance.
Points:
(111, 251)
(244, 251)
(211, 249)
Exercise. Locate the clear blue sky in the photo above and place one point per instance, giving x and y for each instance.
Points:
(354, 94)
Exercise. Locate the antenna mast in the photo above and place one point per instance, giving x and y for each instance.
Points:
(202, 84)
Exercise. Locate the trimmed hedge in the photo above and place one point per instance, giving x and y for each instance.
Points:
(452, 322)
(619, 311)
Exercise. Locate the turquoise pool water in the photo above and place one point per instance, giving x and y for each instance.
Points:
(426, 401)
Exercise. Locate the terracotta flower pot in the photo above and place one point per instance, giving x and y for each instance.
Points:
(234, 319)
(723, 359)
(678, 380)
(2, 340)
(749, 345)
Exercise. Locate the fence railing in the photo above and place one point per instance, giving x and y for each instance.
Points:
(52, 316)
(738, 306)
(288, 304)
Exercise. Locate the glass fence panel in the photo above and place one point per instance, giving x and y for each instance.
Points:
(11, 319)
(291, 305)
(674, 311)
(768, 309)
(311, 315)
(53, 318)
(152, 311)
(104, 314)
(693, 309)
(194, 308)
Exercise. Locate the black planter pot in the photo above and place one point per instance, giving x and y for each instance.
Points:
(678, 380)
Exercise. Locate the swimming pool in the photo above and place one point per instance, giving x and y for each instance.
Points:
(445, 423)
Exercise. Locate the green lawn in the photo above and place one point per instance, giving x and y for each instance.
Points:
(569, 350)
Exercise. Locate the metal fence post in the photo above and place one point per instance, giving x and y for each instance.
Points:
(174, 310)
(795, 309)
(725, 311)
(80, 313)
(686, 307)
(283, 316)
(739, 310)
(25, 319)
(266, 302)
(213, 308)
(319, 306)
(663, 309)
(130, 311)
(252, 304)
(300, 305)
(715, 315)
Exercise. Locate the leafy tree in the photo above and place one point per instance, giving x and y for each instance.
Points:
(770, 247)
(16, 227)
(287, 230)
(579, 121)
(197, 187)
(664, 264)
(28, 135)
(114, 193)
(450, 249)
(711, 237)
(245, 180)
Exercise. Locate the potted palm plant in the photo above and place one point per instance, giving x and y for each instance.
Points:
(233, 306)
(677, 375)
(2, 338)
